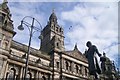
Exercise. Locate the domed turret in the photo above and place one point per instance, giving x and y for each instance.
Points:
(5, 16)
(53, 17)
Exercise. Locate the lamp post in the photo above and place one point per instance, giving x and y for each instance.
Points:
(32, 29)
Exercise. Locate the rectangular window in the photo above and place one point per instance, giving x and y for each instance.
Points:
(57, 64)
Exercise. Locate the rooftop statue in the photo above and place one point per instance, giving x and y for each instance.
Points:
(103, 64)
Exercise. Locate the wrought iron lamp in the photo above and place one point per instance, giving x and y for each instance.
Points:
(32, 29)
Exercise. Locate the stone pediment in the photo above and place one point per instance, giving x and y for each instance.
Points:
(76, 54)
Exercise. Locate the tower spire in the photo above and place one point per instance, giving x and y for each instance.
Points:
(75, 48)
(53, 10)
(53, 35)
(53, 17)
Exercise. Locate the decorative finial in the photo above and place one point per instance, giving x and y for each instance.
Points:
(113, 62)
(53, 10)
(75, 48)
(104, 53)
(118, 69)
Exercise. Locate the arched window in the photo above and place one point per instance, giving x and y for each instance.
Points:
(76, 68)
(70, 67)
(56, 29)
(5, 23)
(5, 44)
(60, 29)
(57, 44)
(109, 68)
(43, 78)
(67, 65)
(29, 76)
(52, 26)
(57, 64)
(86, 72)
(2, 17)
(11, 74)
(80, 70)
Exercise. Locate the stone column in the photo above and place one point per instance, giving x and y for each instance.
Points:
(39, 75)
(36, 76)
(83, 70)
(72, 66)
(21, 72)
(2, 41)
(50, 76)
(4, 67)
(6, 70)
(63, 64)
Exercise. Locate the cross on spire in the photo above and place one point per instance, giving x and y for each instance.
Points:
(53, 10)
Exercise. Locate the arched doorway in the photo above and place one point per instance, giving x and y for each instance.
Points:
(11, 74)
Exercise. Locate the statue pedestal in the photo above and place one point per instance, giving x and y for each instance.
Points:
(103, 77)
(91, 77)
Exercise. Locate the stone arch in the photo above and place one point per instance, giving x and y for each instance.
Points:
(5, 44)
(77, 68)
(67, 65)
(29, 76)
(80, 70)
(60, 30)
(43, 77)
(11, 75)
(15, 68)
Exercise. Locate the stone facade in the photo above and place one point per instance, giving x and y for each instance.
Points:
(51, 62)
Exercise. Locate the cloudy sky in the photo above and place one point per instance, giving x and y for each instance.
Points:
(91, 21)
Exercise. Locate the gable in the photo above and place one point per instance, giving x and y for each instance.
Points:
(76, 54)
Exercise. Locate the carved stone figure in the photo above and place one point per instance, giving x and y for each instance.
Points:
(90, 54)
(103, 60)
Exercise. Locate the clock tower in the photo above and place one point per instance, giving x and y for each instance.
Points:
(53, 36)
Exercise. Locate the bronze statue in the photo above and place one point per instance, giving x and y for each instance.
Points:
(93, 65)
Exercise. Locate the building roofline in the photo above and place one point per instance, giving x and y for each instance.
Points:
(35, 52)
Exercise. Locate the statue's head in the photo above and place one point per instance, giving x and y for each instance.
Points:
(104, 54)
(88, 44)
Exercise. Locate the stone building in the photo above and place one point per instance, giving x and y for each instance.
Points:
(109, 71)
(51, 61)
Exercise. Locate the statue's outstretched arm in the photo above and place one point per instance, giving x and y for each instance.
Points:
(96, 50)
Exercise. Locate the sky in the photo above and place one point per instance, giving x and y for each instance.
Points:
(82, 21)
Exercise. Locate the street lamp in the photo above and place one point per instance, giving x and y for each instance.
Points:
(32, 29)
